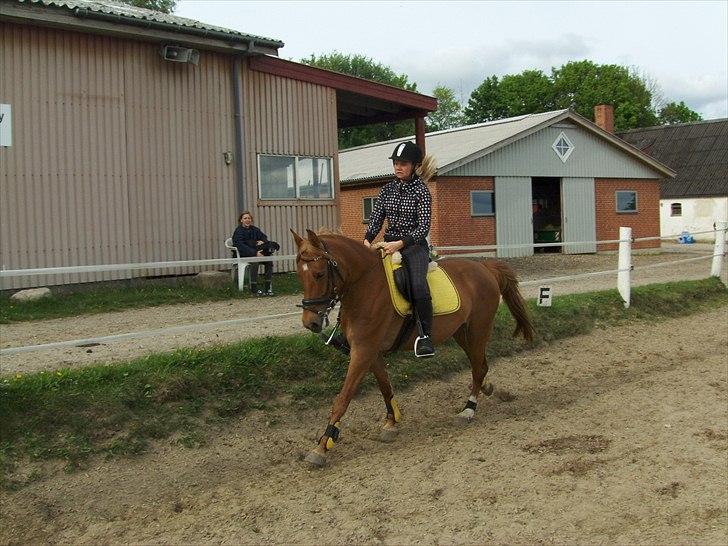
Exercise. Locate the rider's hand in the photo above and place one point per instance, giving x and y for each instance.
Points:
(367, 243)
(259, 253)
(393, 246)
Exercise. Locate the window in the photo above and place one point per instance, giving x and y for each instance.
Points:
(563, 147)
(626, 201)
(293, 177)
(676, 209)
(482, 203)
(368, 205)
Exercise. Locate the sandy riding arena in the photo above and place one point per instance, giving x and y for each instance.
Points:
(619, 437)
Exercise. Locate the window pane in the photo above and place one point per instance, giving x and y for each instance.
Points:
(369, 203)
(314, 178)
(276, 177)
(676, 209)
(626, 201)
(482, 203)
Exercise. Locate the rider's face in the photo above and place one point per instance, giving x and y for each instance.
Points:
(246, 220)
(403, 169)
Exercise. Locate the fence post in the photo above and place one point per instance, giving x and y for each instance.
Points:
(719, 248)
(624, 264)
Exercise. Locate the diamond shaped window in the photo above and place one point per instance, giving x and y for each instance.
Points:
(563, 147)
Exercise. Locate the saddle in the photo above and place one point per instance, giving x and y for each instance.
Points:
(445, 297)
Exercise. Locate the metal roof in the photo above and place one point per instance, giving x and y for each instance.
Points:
(115, 8)
(452, 148)
(697, 151)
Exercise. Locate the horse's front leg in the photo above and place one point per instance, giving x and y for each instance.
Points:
(358, 366)
(389, 429)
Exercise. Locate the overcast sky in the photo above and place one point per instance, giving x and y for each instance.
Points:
(682, 45)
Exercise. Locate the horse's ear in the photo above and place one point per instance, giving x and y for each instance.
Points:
(297, 238)
(314, 239)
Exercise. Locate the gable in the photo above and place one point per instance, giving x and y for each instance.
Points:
(592, 156)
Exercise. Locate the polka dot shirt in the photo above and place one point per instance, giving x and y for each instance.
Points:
(407, 206)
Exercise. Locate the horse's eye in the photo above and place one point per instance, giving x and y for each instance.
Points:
(318, 275)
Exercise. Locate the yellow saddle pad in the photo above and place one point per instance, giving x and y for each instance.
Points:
(445, 297)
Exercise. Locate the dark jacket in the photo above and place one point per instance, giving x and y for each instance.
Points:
(245, 239)
(407, 206)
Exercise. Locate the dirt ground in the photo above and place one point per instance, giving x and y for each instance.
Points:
(619, 437)
(142, 320)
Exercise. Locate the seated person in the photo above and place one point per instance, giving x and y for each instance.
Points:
(250, 241)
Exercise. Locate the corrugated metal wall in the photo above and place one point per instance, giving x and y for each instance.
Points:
(63, 193)
(513, 216)
(579, 214)
(117, 155)
(533, 156)
(289, 117)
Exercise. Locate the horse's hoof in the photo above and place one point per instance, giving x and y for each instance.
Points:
(388, 435)
(464, 418)
(315, 459)
(487, 389)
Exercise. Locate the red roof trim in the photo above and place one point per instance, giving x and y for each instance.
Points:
(343, 82)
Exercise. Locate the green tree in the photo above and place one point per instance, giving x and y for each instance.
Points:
(364, 67)
(579, 85)
(165, 6)
(677, 113)
(449, 113)
(582, 85)
(486, 103)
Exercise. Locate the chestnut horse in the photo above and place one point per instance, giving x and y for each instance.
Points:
(334, 268)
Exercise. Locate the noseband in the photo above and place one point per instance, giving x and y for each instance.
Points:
(332, 296)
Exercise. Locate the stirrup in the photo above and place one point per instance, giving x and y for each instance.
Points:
(423, 347)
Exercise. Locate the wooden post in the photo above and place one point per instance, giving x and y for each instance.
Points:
(420, 133)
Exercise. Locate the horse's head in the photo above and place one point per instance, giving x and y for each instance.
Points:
(320, 277)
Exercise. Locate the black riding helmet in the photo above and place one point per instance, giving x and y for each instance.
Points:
(407, 151)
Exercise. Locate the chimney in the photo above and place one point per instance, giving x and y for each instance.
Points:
(604, 117)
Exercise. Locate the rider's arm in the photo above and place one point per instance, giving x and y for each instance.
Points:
(424, 215)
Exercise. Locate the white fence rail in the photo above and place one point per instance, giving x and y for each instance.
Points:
(624, 269)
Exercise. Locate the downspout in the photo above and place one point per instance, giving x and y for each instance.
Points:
(239, 139)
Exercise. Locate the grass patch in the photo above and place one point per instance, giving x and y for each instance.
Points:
(148, 294)
(116, 410)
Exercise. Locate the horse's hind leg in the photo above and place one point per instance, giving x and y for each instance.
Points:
(389, 429)
(473, 343)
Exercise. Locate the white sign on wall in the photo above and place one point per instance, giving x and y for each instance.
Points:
(6, 125)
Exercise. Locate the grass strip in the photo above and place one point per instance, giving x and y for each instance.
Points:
(115, 410)
(134, 296)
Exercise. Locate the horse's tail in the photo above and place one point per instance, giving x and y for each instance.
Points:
(508, 285)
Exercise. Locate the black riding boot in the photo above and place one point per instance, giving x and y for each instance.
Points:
(423, 343)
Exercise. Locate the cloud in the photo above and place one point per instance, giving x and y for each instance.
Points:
(706, 94)
(464, 68)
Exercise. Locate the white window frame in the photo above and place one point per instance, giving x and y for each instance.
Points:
(636, 202)
(373, 199)
(295, 179)
(482, 214)
(568, 152)
(672, 210)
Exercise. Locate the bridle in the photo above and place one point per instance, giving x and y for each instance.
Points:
(332, 295)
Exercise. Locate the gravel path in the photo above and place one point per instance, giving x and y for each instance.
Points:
(265, 312)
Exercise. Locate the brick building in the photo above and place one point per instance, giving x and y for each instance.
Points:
(586, 181)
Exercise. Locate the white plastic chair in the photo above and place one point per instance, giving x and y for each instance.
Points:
(239, 267)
